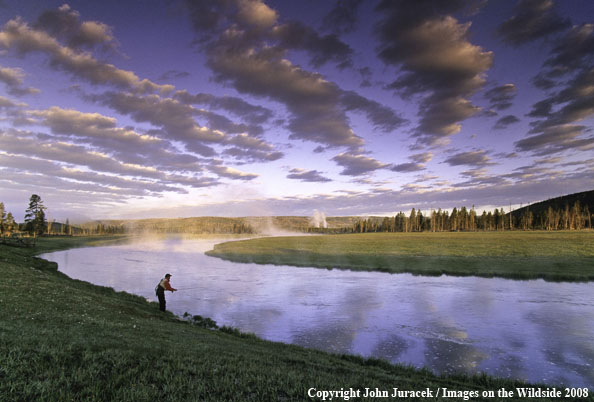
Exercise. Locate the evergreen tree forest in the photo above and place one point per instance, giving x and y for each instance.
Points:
(570, 212)
(574, 217)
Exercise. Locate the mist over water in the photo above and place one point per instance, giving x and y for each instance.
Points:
(532, 330)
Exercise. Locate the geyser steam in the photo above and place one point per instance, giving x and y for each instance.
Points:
(318, 220)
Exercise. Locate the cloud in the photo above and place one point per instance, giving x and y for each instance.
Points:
(342, 18)
(87, 179)
(441, 119)
(548, 160)
(505, 121)
(572, 51)
(356, 165)
(254, 62)
(501, 97)
(38, 146)
(480, 180)
(313, 102)
(321, 49)
(231, 173)
(426, 177)
(408, 167)
(88, 125)
(250, 149)
(95, 142)
(219, 123)
(417, 164)
(422, 157)
(6, 103)
(260, 22)
(366, 76)
(380, 116)
(64, 24)
(436, 60)
(307, 175)
(13, 79)
(533, 172)
(254, 114)
(386, 202)
(555, 139)
(471, 158)
(175, 118)
(18, 35)
(533, 20)
(572, 103)
(173, 74)
(256, 14)
(542, 82)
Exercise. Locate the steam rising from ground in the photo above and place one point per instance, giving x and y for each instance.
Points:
(318, 220)
(267, 227)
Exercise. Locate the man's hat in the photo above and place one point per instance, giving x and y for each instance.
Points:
(167, 275)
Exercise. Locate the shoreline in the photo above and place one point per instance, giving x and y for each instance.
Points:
(78, 340)
(487, 255)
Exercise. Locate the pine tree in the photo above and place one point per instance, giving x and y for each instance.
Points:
(454, 220)
(10, 223)
(2, 218)
(35, 216)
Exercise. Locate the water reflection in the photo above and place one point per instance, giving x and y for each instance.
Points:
(531, 330)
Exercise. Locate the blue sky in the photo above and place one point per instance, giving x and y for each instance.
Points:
(247, 107)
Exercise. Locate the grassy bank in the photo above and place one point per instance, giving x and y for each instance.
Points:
(64, 340)
(522, 255)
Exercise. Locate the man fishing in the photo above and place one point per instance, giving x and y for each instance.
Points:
(160, 290)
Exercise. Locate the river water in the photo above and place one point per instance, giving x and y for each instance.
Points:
(533, 330)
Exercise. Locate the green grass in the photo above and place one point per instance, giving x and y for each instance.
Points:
(67, 340)
(557, 256)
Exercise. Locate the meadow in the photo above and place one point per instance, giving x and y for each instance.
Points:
(64, 339)
(557, 256)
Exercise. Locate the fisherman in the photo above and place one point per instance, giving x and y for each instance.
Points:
(160, 290)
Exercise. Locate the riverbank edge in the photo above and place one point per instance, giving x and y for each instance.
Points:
(552, 269)
(261, 370)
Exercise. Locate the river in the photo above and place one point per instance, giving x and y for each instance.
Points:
(533, 330)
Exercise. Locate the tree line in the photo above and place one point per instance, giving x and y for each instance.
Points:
(35, 223)
(568, 217)
(35, 220)
(554, 217)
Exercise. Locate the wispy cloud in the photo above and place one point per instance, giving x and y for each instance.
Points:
(501, 97)
(13, 78)
(506, 121)
(417, 164)
(343, 17)
(437, 60)
(569, 65)
(17, 35)
(471, 158)
(356, 165)
(307, 175)
(533, 19)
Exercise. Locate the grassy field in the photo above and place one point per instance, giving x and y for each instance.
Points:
(67, 340)
(521, 255)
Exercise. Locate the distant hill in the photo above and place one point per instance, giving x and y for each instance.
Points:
(222, 225)
(569, 212)
(585, 198)
(340, 224)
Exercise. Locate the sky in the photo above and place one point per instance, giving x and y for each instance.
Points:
(137, 109)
